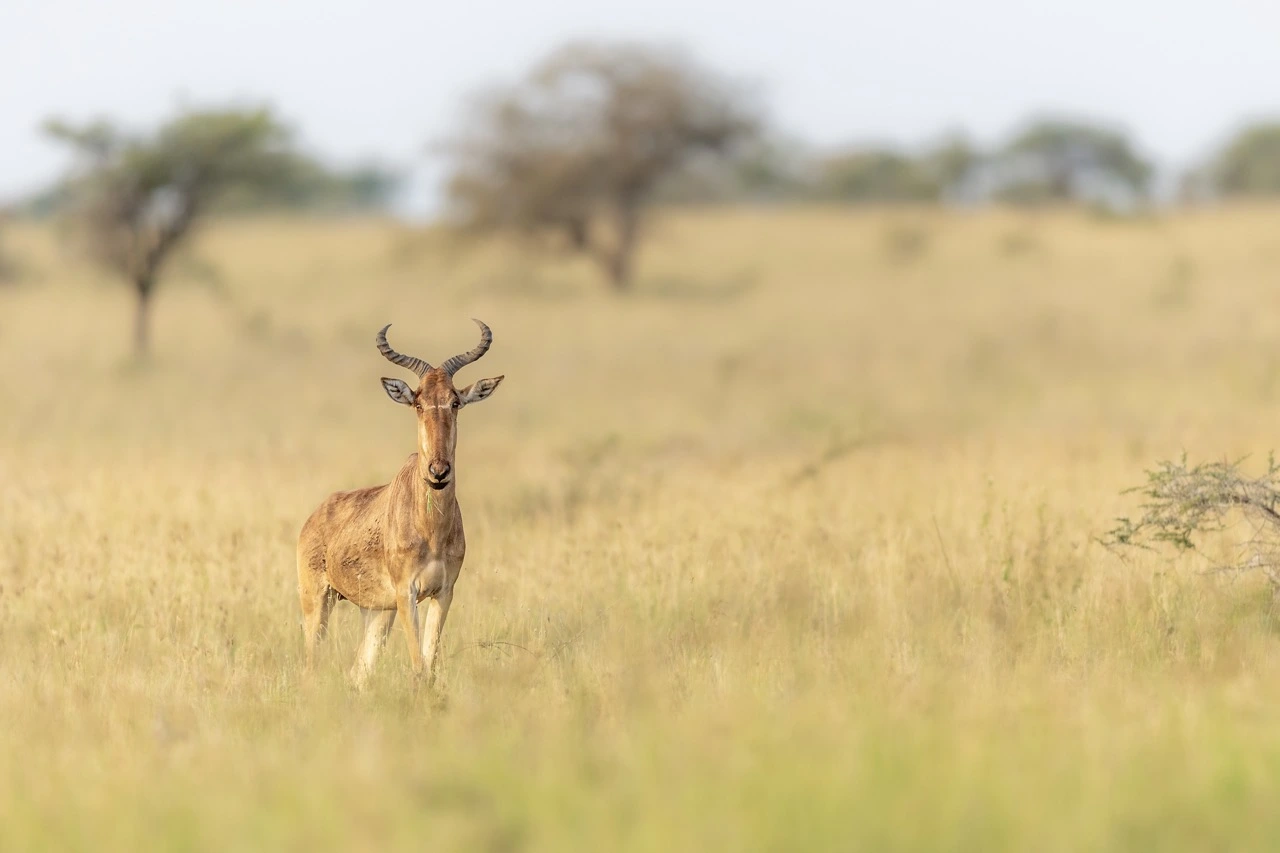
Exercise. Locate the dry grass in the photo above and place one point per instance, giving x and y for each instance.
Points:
(793, 550)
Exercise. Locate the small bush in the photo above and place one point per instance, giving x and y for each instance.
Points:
(1185, 504)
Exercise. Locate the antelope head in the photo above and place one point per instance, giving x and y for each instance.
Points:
(437, 403)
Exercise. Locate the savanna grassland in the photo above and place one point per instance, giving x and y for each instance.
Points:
(792, 549)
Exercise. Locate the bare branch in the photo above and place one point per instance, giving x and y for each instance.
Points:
(1184, 504)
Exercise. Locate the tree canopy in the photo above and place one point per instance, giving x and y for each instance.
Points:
(1249, 164)
(1061, 160)
(575, 152)
(134, 198)
(883, 174)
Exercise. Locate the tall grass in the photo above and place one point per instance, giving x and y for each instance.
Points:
(794, 549)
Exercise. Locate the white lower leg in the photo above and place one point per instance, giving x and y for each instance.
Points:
(377, 626)
(433, 628)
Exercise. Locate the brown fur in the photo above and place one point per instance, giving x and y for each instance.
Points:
(388, 548)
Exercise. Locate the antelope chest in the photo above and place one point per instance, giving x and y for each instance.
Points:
(433, 575)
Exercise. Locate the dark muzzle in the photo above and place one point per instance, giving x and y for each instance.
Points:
(438, 474)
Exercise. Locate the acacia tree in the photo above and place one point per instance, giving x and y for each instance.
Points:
(8, 270)
(573, 154)
(1051, 159)
(135, 199)
(1250, 163)
(1184, 505)
(876, 175)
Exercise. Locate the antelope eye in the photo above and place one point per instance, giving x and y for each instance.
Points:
(456, 404)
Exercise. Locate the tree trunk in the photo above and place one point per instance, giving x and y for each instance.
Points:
(618, 262)
(142, 319)
(1061, 186)
(618, 267)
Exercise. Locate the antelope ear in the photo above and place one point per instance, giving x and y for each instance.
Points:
(398, 391)
(478, 391)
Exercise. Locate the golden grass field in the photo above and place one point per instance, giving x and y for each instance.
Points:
(792, 549)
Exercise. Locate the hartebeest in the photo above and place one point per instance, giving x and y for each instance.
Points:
(387, 548)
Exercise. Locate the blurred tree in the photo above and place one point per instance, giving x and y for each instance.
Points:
(884, 174)
(875, 175)
(303, 184)
(1196, 185)
(1250, 163)
(762, 170)
(1057, 160)
(950, 162)
(367, 187)
(773, 169)
(576, 152)
(135, 199)
(8, 269)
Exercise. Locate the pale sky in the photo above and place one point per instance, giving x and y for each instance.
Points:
(382, 78)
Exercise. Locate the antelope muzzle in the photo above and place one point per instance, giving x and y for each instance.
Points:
(438, 474)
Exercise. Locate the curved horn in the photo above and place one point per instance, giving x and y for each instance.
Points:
(458, 362)
(417, 365)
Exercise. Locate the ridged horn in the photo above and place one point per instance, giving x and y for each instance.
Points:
(458, 362)
(417, 365)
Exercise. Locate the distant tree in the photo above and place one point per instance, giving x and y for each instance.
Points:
(576, 152)
(1056, 160)
(135, 199)
(950, 161)
(8, 268)
(48, 201)
(368, 187)
(1250, 163)
(773, 169)
(878, 174)
(762, 170)
(301, 184)
(1197, 184)
(875, 175)
(305, 184)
